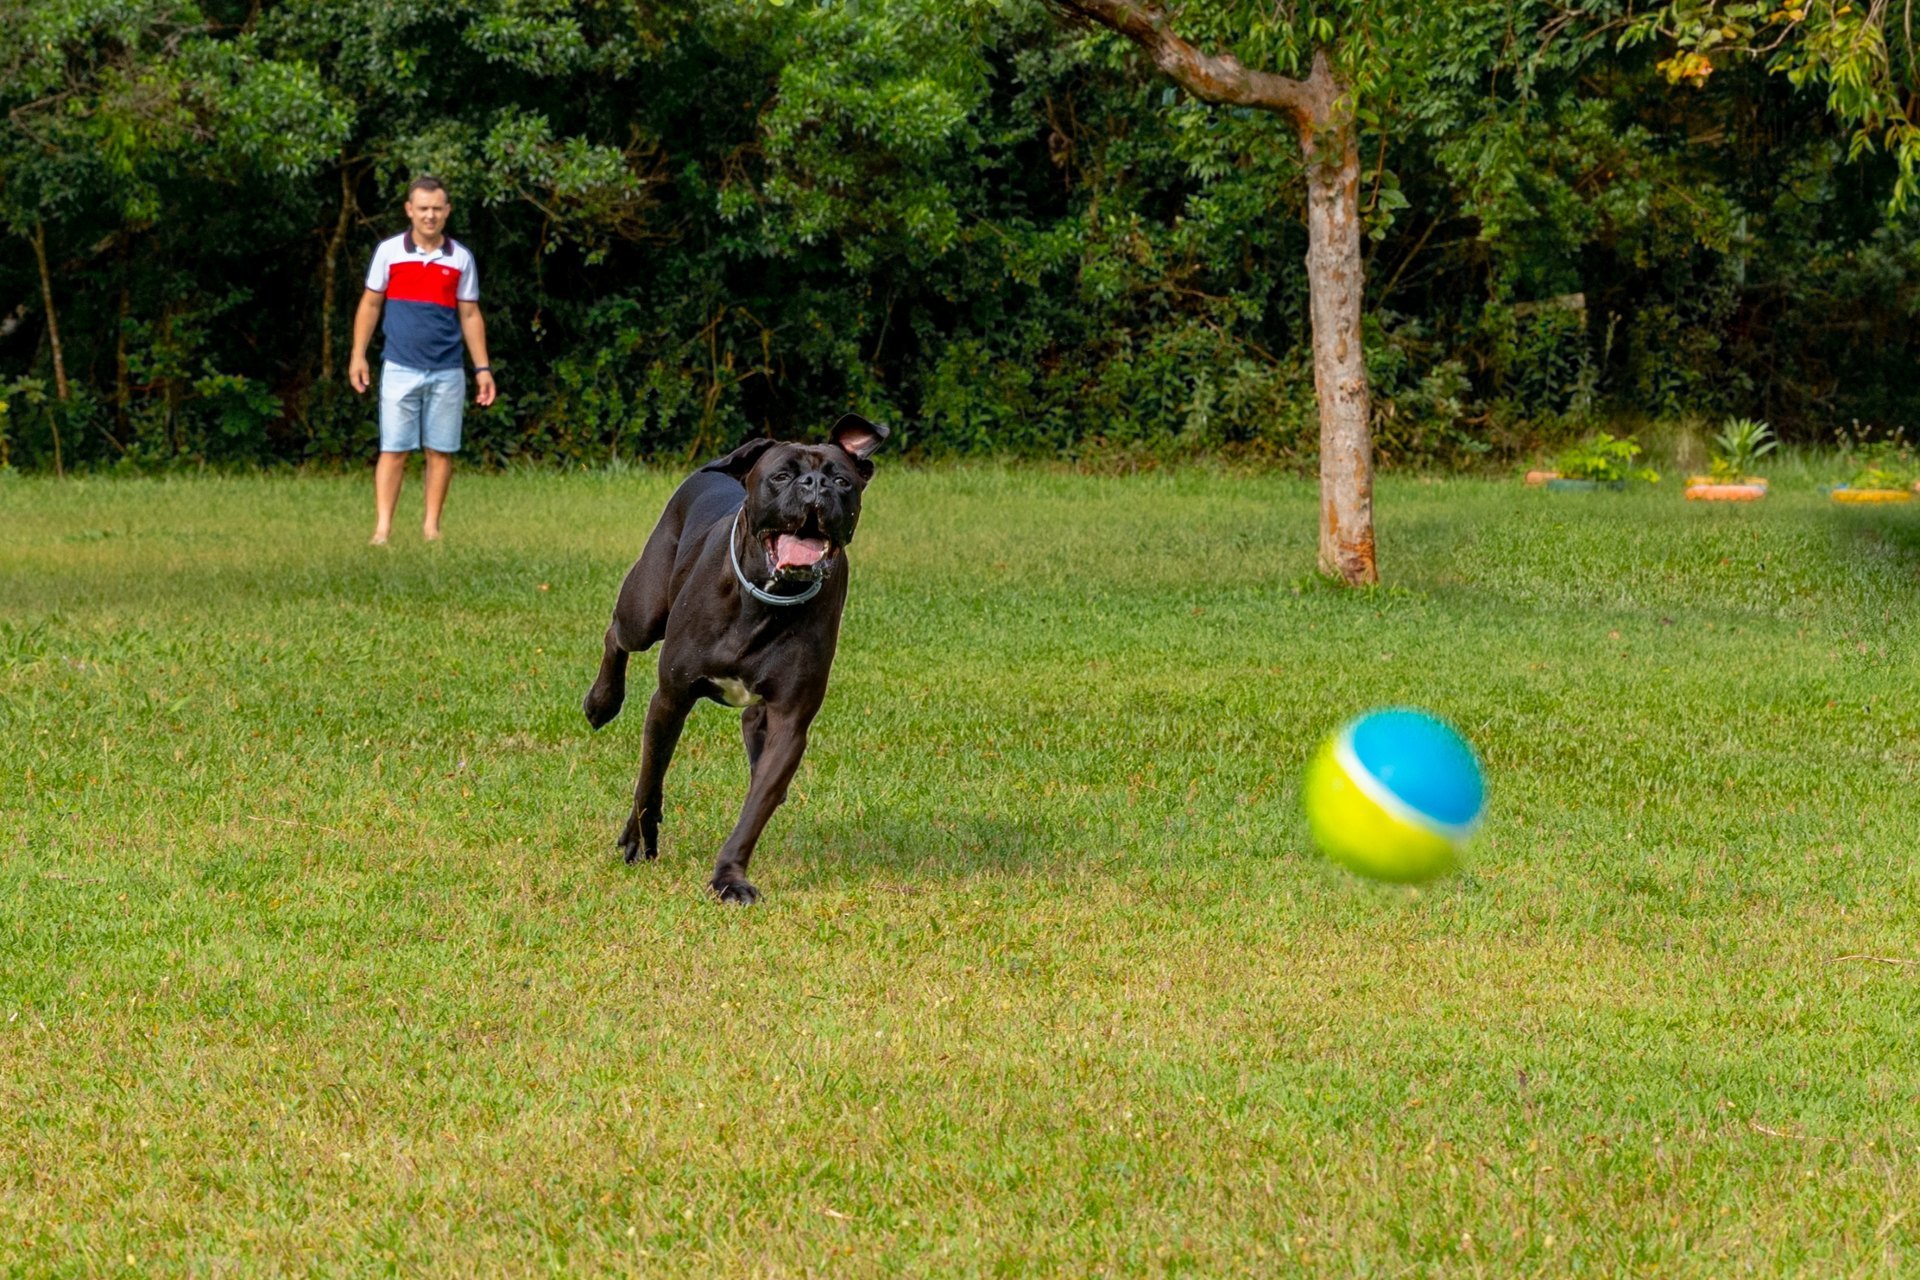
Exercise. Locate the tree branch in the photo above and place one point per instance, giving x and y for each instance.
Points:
(1217, 78)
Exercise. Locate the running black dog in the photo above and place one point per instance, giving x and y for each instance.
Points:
(744, 579)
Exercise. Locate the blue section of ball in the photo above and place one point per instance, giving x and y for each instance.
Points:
(1422, 761)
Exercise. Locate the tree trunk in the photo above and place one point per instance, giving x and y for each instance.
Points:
(1322, 108)
(53, 343)
(1335, 281)
(53, 321)
(329, 275)
(170, 385)
(122, 374)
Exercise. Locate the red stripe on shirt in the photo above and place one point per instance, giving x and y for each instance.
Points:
(435, 281)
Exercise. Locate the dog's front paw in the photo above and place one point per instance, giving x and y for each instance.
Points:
(738, 892)
(632, 847)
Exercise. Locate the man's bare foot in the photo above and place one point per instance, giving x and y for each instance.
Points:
(379, 538)
(431, 535)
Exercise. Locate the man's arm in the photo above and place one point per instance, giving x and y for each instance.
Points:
(473, 327)
(364, 319)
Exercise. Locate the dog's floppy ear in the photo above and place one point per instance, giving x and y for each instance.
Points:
(859, 438)
(741, 460)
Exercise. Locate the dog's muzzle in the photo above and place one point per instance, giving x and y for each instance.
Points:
(797, 557)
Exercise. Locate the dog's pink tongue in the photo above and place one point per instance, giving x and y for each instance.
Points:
(793, 552)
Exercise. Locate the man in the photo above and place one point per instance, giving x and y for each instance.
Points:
(429, 288)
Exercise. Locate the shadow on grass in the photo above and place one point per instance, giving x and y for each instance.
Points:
(1882, 544)
(828, 852)
(1893, 528)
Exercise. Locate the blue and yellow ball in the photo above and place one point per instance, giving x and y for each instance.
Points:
(1396, 795)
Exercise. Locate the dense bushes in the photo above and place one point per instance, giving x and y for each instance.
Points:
(708, 218)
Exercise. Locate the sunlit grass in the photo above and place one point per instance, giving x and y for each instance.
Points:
(315, 954)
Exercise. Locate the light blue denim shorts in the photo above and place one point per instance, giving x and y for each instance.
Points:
(421, 406)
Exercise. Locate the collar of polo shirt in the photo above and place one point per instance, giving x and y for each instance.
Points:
(446, 245)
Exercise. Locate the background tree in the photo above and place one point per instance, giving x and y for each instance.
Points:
(701, 219)
(1323, 108)
(115, 113)
(1335, 72)
(1865, 63)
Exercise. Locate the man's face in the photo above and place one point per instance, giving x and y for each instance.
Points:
(427, 211)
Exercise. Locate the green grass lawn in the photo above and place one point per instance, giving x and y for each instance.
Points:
(315, 956)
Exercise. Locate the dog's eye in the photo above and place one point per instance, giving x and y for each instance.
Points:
(843, 482)
(781, 477)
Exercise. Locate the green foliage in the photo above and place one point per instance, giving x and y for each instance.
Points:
(19, 399)
(1425, 411)
(1886, 463)
(711, 218)
(1740, 444)
(1604, 458)
(1869, 75)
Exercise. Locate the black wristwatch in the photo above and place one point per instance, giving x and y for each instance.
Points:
(483, 368)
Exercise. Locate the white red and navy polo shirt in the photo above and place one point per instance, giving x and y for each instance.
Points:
(422, 322)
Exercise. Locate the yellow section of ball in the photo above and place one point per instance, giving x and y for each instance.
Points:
(1361, 836)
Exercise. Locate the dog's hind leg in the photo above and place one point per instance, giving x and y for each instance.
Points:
(665, 718)
(609, 691)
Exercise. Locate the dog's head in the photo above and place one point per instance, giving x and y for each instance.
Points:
(803, 500)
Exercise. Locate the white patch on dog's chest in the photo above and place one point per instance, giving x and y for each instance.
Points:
(735, 693)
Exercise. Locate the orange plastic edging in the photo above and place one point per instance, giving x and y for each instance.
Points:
(1726, 492)
(1872, 495)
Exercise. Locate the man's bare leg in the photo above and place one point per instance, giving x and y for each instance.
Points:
(388, 472)
(439, 476)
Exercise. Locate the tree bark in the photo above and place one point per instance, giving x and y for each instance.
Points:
(53, 342)
(53, 320)
(170, 385)
(122, 379)
(1335, 282)
(328, 276)
(1321, 108)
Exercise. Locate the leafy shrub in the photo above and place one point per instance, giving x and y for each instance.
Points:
(1739, 444)
(1604, 458)
(1539, 357)
(1425, 412)
(1884, 464)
